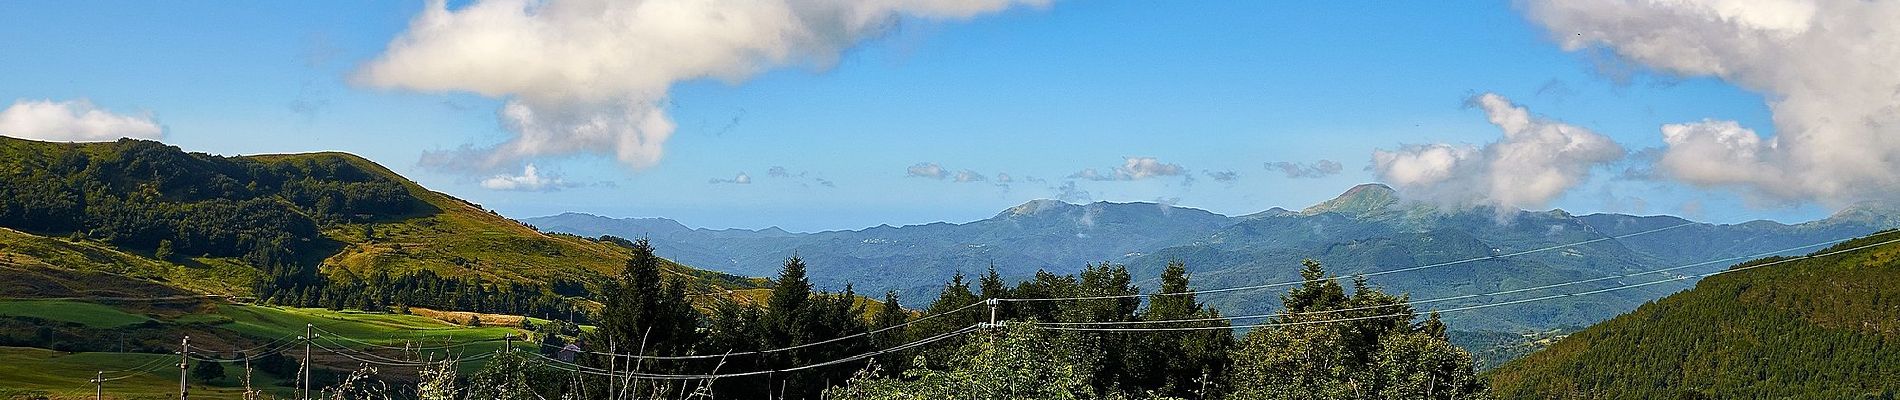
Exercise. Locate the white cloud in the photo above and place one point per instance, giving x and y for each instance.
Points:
(927, 170)
(530, 180)
(73, 121)
(968, 176)
(741, 179)
(1536, 161)
(1318, 169)
(1826, 69)
(1138, 168)
(592, 76)
(1003, 177)
(1133, 169)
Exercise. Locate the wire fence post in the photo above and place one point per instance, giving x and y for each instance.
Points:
(994, 304)
(249, 393)
(99, 385)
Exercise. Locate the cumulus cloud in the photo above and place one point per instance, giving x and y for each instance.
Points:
(741, 179)
(779, 172)
(1003, 177)
(73, 121)
(1536, 161)
(1133, 169)
(1317, 169)
(1826, 69)
(530, 180)
(927, 170)
(592, 76)
(968, 176)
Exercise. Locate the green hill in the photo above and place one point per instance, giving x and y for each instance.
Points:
(1822, 327)
(132, 216)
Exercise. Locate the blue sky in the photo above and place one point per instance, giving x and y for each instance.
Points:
(1039, 92)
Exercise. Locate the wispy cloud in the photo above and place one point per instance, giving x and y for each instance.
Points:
(529, 180)
(968, 176)
(741, 179)
(1223, 176)
(1069, 192)
(1133, 169)
(1317, 169)
(927, 170)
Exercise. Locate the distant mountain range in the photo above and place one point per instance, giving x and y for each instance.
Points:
(1367, 229)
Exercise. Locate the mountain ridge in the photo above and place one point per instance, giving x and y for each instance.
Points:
(1367, 228)
(324, 215)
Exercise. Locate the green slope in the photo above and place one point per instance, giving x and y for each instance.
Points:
(211, 224)
(141, 335)
(1824, 327)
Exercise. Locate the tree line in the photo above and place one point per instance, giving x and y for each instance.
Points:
(1333, 341)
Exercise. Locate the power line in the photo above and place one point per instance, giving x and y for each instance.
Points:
(408, 348)
(902, 347)
(788, 348)
(1480, 306)
(1458, 297)
(1407, 269)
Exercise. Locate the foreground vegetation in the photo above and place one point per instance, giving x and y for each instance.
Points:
(1343, 342)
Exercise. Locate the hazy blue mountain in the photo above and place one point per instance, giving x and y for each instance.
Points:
(1367, 229)
(916, 260)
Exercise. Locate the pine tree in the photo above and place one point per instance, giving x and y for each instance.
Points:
(889, 316)
(646, 313)
(1350, 347)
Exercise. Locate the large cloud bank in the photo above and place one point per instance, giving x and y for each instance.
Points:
(1536, 161)
(591, 76)
(73, 121)
(1830, 71)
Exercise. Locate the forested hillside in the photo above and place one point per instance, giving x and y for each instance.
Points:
(305, 229)
(1824, 327)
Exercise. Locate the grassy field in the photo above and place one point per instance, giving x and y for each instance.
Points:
(89, 314)
(383, 329)
(25, 254)
(30, 372)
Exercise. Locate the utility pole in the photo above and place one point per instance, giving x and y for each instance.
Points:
(613, 361)
(184, 364)
(99, 386)
(308, 335)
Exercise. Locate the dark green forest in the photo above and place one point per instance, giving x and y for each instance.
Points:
(1824, 327)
